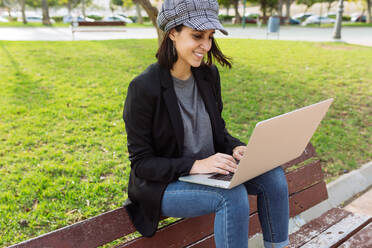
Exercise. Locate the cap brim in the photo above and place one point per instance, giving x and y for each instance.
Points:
(205, 24)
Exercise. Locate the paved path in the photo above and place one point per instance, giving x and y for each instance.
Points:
(362, 205)
(354, 35)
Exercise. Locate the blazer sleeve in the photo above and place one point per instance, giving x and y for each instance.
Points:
(138, 114)
(230, 141)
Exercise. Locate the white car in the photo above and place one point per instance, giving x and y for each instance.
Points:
(69, 19)
(3, 19)
(117, 18)
(38, 19)
(302, 16)
(318, 20)
(126, 18)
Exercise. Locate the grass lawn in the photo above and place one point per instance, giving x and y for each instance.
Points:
(63, 25)
(63, 144)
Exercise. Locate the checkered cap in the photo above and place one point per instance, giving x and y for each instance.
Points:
(196, 14)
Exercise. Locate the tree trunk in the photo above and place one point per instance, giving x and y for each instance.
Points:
(227, 9)
(152, 12)
(9, 14)
(23, 10)
(287, 10)
(280, 8)
(369, 3)
(238, 18)
(69, 7)
(45, 9)
(329, 7)
(263, 9)
(83, 8)
(139, 14)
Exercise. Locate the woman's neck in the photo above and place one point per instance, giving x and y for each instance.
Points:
(181, 70)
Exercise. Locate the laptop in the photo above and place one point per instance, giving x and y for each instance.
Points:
(273, 142)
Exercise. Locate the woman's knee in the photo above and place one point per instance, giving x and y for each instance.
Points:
(236, 197)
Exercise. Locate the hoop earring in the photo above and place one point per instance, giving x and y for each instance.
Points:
(174, 50)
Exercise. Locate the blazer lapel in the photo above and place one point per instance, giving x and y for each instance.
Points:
(170, 99)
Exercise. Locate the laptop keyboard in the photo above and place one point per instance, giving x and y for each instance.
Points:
(222, 177)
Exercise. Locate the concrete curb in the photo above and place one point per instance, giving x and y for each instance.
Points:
(339, 191)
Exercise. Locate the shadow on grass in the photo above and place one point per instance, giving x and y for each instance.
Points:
(26, 91)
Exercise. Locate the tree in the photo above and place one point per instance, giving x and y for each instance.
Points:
(23, 10)
(152, 12)
(238, 18)
(138, 11)
(226, 4)
(369, 15)
(307, 3)
(114, 3)
(45, 10)
(9, 5)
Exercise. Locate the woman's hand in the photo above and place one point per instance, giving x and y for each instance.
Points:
(238, 152)
(218, 163)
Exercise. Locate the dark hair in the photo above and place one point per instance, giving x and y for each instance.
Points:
(167, 58)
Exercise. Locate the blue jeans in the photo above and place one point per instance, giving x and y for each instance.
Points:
(231, 208)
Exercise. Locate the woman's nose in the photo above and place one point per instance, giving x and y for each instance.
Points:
(206, 44)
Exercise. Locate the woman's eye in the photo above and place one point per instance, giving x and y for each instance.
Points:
(196, 36)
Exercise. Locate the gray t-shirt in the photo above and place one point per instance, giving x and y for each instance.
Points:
(198, 136)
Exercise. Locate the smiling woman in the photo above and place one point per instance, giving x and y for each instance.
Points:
(173, 119)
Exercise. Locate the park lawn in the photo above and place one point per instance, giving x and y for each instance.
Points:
(32, 25)
(63, 143)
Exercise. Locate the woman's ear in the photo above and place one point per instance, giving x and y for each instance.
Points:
(172, 34)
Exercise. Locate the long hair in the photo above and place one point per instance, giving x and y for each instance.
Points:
(167, 57)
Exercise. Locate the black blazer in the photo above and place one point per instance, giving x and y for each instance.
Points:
(155, 137)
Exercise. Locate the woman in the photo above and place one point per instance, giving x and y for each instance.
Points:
(175, 128)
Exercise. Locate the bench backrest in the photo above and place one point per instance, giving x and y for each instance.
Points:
(98, 23)
(306, 188)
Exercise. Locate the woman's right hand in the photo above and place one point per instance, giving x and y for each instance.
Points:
(218, 163)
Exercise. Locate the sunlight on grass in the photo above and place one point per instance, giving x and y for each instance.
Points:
(63, 144)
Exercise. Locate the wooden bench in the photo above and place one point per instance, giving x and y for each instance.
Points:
(306, 189)
(97, 26)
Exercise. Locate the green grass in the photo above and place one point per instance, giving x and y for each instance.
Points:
(31, 25)
(344, 24)
(63, 154)
(58, 24)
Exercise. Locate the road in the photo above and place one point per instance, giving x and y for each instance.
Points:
(353, 35)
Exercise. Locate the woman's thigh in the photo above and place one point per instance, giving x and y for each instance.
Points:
(182, 199)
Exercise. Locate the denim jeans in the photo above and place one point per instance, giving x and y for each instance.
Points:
(231, 208)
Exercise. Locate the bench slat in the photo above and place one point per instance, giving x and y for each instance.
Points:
(307, 198)
(316, 226)
(362, 239)
(308, 153)
(101, 23)
(88, 233)
(179, 234)
(304, 177)
(337, 233)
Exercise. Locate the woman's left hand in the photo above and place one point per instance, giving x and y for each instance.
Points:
(238, 152)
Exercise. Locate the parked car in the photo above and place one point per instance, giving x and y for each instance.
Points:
(69, 19)
(356, 17)
(318, 20)
(3, 19)
(126, 18)
(116, 18)
(37, 19)
(302, 16)
(293, 21)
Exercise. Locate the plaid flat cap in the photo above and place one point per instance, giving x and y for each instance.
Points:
(196, 14)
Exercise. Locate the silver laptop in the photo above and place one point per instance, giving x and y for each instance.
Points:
(273, 142)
